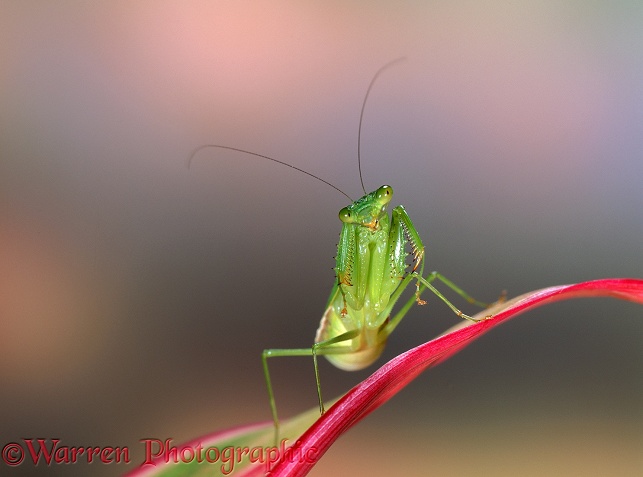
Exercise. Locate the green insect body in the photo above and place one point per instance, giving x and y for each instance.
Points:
(371, 275)
(371, 264)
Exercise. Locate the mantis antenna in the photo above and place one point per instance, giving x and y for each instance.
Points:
(361, 114)
(359, 137)
(200, 148)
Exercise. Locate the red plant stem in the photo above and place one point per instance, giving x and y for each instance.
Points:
(397, 373)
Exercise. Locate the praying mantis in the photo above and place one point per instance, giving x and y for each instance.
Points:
(371, 274)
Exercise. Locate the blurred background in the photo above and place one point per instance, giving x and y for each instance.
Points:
(136, 295)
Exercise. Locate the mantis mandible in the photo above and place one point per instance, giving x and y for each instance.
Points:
(371, 274)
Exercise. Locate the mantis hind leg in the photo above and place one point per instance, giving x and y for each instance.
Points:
(426, 282)
(437, 275)
(321, 348)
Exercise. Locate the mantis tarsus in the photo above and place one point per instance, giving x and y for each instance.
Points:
(371, 274)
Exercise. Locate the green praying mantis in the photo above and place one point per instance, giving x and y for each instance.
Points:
(371, 274)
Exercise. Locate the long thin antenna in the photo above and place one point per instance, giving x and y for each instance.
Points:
(361, 115)
(200, 148)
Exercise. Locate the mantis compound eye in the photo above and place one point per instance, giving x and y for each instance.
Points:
(345, 215)
(384, 194)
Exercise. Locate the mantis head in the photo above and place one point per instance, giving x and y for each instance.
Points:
(368, 210)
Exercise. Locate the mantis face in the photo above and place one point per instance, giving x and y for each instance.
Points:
(368, 210)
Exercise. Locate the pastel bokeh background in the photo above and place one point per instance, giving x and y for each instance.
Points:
(136, 295)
